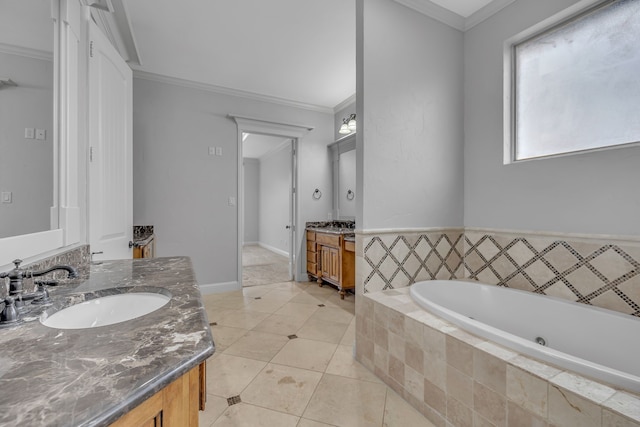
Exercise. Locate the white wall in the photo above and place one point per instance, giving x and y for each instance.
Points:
(26, 165)
(275, 184)
(585, 193)
(410, 107)
(183, 192)
(251, 200)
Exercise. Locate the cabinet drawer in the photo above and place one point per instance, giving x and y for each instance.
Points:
(350, 246)
(311, 246)
(313, 257)
(312, 267)
(311, 236)
(328, 239)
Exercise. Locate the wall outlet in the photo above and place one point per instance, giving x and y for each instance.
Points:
(218, 151)
(232, 201)
(29, 133)
(41, 134)
(212, 151)
(330, 216)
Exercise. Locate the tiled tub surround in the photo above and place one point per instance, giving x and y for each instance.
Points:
(457, 379)
(85, 377)
(597, 270)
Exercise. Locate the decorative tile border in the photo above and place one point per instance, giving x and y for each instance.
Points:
(594, 270)
(591, 271)
(398, 259)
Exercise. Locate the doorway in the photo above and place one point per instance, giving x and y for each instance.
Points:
(268, 205)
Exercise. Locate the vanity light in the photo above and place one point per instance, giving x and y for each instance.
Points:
(344, 129)
(352, 122)
(348, 125)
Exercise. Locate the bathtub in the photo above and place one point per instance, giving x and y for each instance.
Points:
(594, 342)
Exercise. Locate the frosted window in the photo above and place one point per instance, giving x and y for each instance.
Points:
(577, 85)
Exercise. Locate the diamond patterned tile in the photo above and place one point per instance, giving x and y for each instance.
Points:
(612, 264)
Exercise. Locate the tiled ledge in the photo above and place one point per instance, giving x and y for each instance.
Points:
(455, 378)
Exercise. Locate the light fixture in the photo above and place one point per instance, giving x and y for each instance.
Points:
(352, 122)
(344, 129)
(348, 125)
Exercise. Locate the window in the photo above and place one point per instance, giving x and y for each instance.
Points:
(575, 85)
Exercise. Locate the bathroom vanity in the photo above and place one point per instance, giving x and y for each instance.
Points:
(145, 371)
(331, 255)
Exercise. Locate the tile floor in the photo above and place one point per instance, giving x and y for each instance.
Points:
(286, 350)
(261, 266)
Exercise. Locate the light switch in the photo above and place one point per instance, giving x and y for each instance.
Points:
(6, 197)
(212, 151)
(218, 151)
(232, 201)
(41, 134)
(29, 133)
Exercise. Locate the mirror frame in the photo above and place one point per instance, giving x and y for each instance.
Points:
(65, 212)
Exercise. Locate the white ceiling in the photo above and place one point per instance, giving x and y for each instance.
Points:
(256, 146)
(296, 50)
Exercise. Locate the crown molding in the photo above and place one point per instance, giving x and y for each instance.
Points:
(452, 19)
(436, 12)
(145, 75)
(27, 52)
(350, 100)
(485, 13)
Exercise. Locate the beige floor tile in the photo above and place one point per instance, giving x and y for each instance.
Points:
(322, 330)
(342, 363)
(347, 402)
(349, 336)
(239, 318)
(332, 314)
(306, 354)
(306, 298)
(265, 305)
(214, 408)
(398, 413)
(284, 295)
(228, 375)
(224, 336)
(256, 291)
(298, 310)
(282, 388)
(257, 345)
(280, 325)
(245, 415)
(310, 423)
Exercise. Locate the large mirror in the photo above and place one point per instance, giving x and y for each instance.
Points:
(26, 117)
(343, 155)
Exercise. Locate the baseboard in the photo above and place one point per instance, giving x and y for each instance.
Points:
(250, 244)
(272, 249)
(216, 288)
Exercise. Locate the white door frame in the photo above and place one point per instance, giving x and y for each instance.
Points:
(265, 127)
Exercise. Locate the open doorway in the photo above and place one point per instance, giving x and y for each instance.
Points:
(268, 209)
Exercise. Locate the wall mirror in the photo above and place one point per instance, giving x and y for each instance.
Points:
(39, 172)
(343, 160)
(26, 118)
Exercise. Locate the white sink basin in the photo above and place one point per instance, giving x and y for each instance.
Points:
(106, 310)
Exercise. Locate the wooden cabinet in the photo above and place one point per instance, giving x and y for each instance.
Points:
(145, 251)
(176, 405)
(329, 260)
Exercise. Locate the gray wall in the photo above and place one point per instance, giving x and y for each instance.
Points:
(346, 182)
(275, 184)
(410, 110)
(183, 191)
(584, 193)
(251, 200)
(26, 165)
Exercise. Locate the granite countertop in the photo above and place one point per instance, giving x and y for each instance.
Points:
(332, 230)
(91, 377)
(142, 239)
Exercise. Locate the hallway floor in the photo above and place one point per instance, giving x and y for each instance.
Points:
(284, 353)
(261, 266)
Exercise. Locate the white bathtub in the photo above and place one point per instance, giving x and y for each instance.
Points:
(595, 342)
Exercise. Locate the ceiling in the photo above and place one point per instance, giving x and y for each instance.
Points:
(295, 50)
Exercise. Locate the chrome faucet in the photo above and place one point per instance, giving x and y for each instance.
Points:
(15, 302)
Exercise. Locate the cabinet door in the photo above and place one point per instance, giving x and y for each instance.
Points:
(334, 259)
(148, 414)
